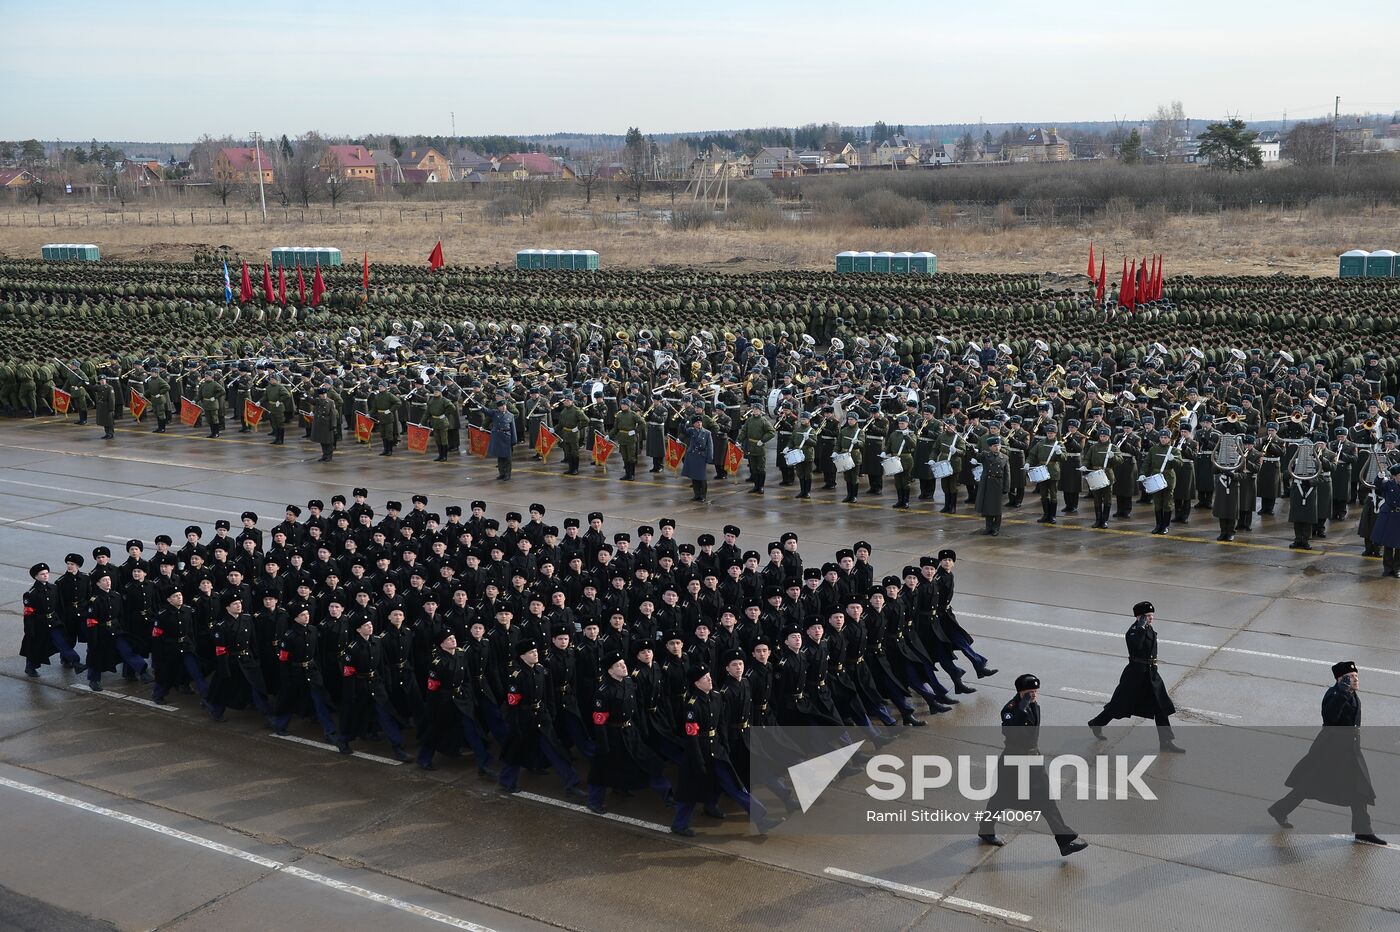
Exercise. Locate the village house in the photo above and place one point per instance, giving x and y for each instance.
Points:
(1038, 145)
(897, 150)
(427, 160)
(776, 162)
(842, 153)
(522, 165)
(16, 178)
(352, 163)
(242, 165)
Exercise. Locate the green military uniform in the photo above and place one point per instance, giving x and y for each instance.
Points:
(384, 408)
(537, 415)
(211, 399)
(569, 425)
(949, 448)
(1046, 452)
(991, 487)
(158, 396)
(278, 402)
(826, 446)
(848, 440)
(753, 438)
(628, 430)
(25, 379)
(323, 418)
(900, 444)
(9, 387)
(803, 437)
(1158, 460)
(106, 403)
(1099, 456)
(43, 387)
(437, 413)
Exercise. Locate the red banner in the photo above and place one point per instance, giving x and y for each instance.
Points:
(364, 427)
(62, 401)
(477, 440)
(675, 452)
(189, 412)
(733, 458)
(602, 449)
(418, 438)
(252, 413)
(545, 442)
(138, 405)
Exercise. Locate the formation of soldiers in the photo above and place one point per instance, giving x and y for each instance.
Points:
(631, 651)
(977, 429)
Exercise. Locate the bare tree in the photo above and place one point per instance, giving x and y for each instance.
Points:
(223, 188)
(590, 169)
(36, 191)
(336, 188)
(534, 194)
(1166, 124)
(1310, 144)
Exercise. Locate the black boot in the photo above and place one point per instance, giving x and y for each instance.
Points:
(852, 486)
(442, 453)
(388, 449)
(804, 485)
(1227, 530)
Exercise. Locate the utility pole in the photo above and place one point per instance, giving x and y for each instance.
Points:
(453, 115)
(1336, 112)
(257, 166)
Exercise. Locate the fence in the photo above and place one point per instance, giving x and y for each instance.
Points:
(229, 216)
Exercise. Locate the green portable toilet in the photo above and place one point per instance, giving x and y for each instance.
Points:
(573, 259)
(89, 253)
(923, 263)
(589, 259)
(522, 258)
(1352, 263)
(552, 258)
(899, 263)
(864, 261)
(881, 262)
(1380, 264)
(846, 261)
(535, 259)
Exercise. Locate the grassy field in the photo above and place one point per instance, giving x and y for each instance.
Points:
(1238, 242)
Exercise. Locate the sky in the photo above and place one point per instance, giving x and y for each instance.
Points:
(170, 72)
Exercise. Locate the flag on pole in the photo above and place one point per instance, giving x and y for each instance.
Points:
(62, 401)
(267, 285)
(1091, 261)
(318, 288)
(1161, 276)
(282, 285)
(602, 449)
(1123, 285)
(301, 286)
(733, 458)
(228, 286)
(138, 405)
(252, 413)
(365, 296)
(1103, 281)
(675, 452)
(477, 440)
(245, 291)
(364, 427)
(545, 442)
(1131, 286)
(1142, 290)
(189, 412)
(435, 260)
(418, 438)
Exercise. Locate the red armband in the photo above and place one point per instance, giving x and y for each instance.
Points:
(284, 655)
(692, 729)
(157, 632)
(92, 622)
(347, 670)
(29, 610)
(600, 718)
(513, 699)
(220, 650)
(434, 684)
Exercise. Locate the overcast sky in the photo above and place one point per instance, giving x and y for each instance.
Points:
(166, 71)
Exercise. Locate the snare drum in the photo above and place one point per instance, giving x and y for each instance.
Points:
(1096, 479)
(793, 457)
(1154, 483)
(1038, 474)
(942, 469)
(892, 465)
(844, 462)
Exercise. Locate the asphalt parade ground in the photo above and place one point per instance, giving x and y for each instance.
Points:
(116, 812)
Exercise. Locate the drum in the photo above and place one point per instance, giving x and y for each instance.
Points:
(793, 457)
(942, 469)
(1096, 479)
(843, 461)
(977, 473)
(1038, 474)
(892, 465)
(1154, 483)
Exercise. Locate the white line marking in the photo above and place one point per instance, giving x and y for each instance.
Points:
(25, 523)
(954, 901)
(108, 694)
(1119, 636)
(248, 856)
(1352, 839)
(1099, 695)
(114, 537)
(331, 747)
(626, 820)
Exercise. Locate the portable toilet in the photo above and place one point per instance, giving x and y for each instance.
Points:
(522, 258)
(1352, 263)
(864, 261)
(923, 263)
(899, 263)
(551, 258)
(588, 259)
(846, 261)
(881, 262)
(1380, 264)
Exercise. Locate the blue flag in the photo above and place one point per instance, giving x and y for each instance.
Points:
(228, 286)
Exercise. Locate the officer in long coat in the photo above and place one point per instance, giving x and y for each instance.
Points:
(363, 698)
(622, 760)
(1385, 531)
(105, 401)
(992, 488)
(323, 418)
(301, 688)
(503, 439)
(1140, 689)
(450, 709)
(530, 722)
(1334, 770)
(43, 628)
(103, 618)
(706, 769)
(699, 450)
(1271, 450)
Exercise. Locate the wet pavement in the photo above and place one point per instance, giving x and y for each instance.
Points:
(146, 817)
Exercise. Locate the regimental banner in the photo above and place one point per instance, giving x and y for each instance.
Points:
(546, 442)
(478, 440)
(364, 427)
(602, 449)
(675, 452)
(252, 413)
(189, 412)
(418, 438)
(733, 458)
(62, 401)
(138, 405)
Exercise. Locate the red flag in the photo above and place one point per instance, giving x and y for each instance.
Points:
(418, 438)
(318, 288)
(733, 458)
(365, 297)
(282, 285)
(267, 284)
(1161, 278)
(301, 286)
(477, 440)
(1142, 282)
(61, 401)
(252, 413)
(364, 427)
(189, 411)
(1091, 261)
(245, 290)
(675, 452)
(138, 405)
(1103, 281)
(1123, 285)
(1131, 286)
(545, 442)
(435, 260)
(602, 449)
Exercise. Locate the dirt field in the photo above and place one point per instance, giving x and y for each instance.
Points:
(1254, 242)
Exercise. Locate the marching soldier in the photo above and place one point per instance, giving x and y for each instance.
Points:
(802, 439)
(1185, 467)
(1302, 502)
(754, 435)
(1385, 530)
(992, 486)
(537, 415)
(503, 439)
(629, 430)
(105, 401)
(323, 418)
(1157, 462)
(211, 398)
(384, 408)
(530, 722)
(1099, 456)
(278, 402)
(948, 449)
(157, 390)
(1140, 689)
(900, 445)
(848, 442)
(569, 425)
(1046, 454)
(437, 412)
